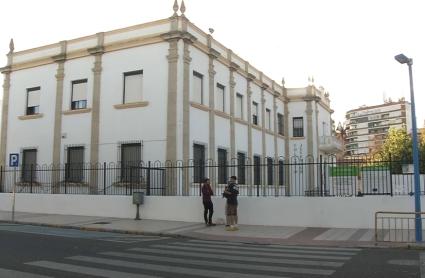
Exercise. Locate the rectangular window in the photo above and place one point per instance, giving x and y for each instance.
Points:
(239, 106)
(33, 101)
(130, 162)
(298, 127)
(269, 171)
(257, 170)
(254, 113)
(222, 166)
(29, 163)
(241, 168)
(79, 94)
(198, 163)
(75, 164)
(281, 173)
(133, 84)
(219, 101)
(198, 91)
(280, 124)
(268, 119)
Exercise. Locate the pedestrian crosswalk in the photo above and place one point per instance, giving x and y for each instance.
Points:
(201, 258)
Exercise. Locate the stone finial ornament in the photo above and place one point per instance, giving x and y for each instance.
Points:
(283, 81)
(11, 46)
(182, 7)
(175, 7)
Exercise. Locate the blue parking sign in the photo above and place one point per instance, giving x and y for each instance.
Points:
(14, 159)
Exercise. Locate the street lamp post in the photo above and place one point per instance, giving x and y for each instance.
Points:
(402, 59)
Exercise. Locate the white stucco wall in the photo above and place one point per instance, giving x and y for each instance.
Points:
(34, 133)
(329, 212)
(141, 123)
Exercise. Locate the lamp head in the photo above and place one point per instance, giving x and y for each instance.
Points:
(402, 59)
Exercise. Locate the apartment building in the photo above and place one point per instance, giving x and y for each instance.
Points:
(367, 126)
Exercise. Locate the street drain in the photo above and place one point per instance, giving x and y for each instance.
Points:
(102, 223)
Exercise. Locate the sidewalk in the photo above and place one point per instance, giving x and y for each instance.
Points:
(247, 233)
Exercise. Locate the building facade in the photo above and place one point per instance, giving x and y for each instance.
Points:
(367, 126)
(159, 91)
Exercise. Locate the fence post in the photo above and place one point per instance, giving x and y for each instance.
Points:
(391, 176)
(31, 177)
(321, 174)
(1, 178)
(131, 180)
(67, 176)
(104, 178)
(148, 182)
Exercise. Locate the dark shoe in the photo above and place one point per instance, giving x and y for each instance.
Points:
(211, 224)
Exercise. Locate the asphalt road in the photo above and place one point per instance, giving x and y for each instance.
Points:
(34, 251)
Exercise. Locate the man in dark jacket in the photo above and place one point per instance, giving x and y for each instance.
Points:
(206, 200)
(231, 193)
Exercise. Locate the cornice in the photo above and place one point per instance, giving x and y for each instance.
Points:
(213, 53)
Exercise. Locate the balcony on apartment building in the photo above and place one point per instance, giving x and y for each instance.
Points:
(330, 144)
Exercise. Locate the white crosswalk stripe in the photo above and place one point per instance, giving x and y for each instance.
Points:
(19, 274)
(223, 264)
(236, 252)
(100, 272)
(239, 258)
(297, 251)
(200, 258)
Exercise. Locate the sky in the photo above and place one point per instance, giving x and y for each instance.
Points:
(348, 46)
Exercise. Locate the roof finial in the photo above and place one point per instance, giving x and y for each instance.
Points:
(312, 79)
(182, 7)
(283, 81)
(11, 46)
(175, 7)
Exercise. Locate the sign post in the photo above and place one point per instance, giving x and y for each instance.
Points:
(14, 162)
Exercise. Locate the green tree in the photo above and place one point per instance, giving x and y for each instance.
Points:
(397, 145)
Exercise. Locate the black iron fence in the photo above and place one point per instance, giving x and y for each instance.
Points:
(296, 176)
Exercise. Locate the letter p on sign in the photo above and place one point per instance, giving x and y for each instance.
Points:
(14, 160)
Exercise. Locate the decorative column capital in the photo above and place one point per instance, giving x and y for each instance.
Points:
(98, 50)
(214, 54)
(233, 66)
(250, 77)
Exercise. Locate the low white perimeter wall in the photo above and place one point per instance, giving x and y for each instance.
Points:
(343, 212)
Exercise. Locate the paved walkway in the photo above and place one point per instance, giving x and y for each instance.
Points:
(247, 233)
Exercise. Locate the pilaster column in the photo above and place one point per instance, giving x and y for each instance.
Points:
(97, 52)
(232, 84)
(57, 129)
(213, 54)
(276, 155)
(310, 170)
(249, 79)
(186, 110)
(5, 107)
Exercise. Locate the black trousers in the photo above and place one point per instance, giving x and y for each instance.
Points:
(208, 211)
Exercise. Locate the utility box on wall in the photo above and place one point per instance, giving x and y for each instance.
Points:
(138, 197)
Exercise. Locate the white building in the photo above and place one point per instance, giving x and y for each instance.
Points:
(162, 90)
(367, 126)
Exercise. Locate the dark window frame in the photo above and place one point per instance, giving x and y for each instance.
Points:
(199, 75)
(298, 131)
(79, 104)
(130, 169)
(241, 158)
(222, 170)
(198, 162)
(255, 115)
(257, 169)
(220, 86)
(270, 171)
(280, 124)
(28, 170)
(33, 110)
(130, 73)
(74, 172)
